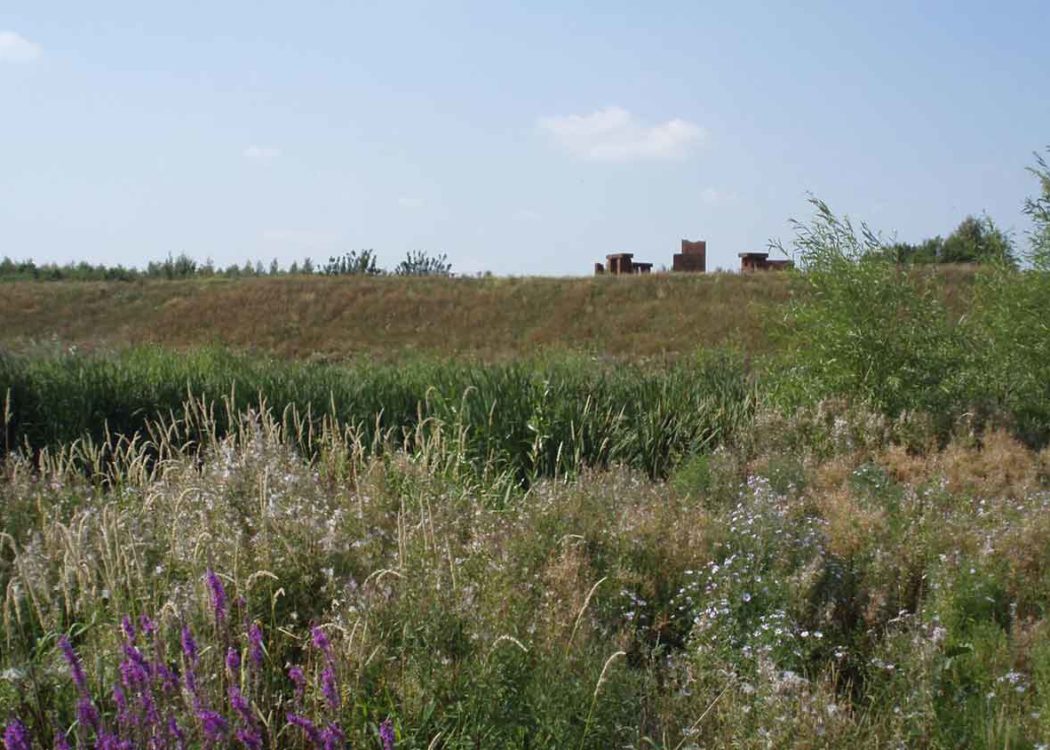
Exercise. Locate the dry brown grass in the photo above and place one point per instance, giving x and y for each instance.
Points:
(639, 317)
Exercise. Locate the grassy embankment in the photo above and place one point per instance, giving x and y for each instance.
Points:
(388, 318)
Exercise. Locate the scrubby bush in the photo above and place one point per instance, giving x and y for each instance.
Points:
(865, 328)
(420, 263)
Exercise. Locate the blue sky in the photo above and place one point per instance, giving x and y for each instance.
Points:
(517, 138)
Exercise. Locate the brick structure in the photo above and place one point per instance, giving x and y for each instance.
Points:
(760, 262)
(622, 263)
(693, 257)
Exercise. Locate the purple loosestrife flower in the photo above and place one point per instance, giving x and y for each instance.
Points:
(321, 642)
(307, 726)
(87, 714)
(107, 741)
(61, 741)
(16, 736)
(76, 669)
(332, 738)
(169, 681)
(255, 645)
(121, 702)
(218, 595)
(233, 662)
(329, 687)
(214, 726)
(127, 627)
(189, 646)
(386, 734)
(134, 670)
(240, 705)
(249, 738)
(176, 733)
(295, 674)
(146, 626)
(190, 678)
(149, 710)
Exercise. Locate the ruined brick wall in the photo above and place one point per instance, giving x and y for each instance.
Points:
(693, 257)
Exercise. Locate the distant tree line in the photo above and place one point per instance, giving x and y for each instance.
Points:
(357, 262)
(975, 240)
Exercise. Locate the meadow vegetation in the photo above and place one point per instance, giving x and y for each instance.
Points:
(389, 318)
(839, 537)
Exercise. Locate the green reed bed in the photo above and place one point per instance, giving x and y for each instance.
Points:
(530, 418)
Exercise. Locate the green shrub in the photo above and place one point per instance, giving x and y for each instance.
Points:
(865, 328)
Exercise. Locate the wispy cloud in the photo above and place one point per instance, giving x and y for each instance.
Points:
(527, 215)
(17, 49)
(614, 134)
(262, 153)
(712, 196)
(300, 237)
(408, 202)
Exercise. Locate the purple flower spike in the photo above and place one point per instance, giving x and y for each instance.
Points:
(127, 627)
(240, 705)
(61, 741)
(87, 714)
(16, 736)
(233, 662)
(321, 642)
(386, 734)
(76, 669)
(149, 709)
(255, 645)
(169, 681)
(332, 738)
(189, 646)
(218, 595)
(147, 626)
(176, 733)
(307, 726)
(107, 741)
(134, 670)
(329, 687)
(249, 738)
(121, 702)
(214, 725)
(295, 674)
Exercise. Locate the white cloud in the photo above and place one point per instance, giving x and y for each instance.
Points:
(714, 197)
(17, 49)
(300, 237)
(614, 134)
(261, 153)
(406, 202)
(526, 215)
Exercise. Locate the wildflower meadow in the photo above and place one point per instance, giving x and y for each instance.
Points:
(844, 541)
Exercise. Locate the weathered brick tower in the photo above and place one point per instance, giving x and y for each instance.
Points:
(692, 258)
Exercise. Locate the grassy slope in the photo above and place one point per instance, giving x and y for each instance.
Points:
(642, 317)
